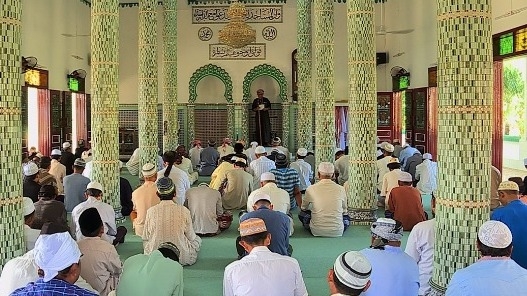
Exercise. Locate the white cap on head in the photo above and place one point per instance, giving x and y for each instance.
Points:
(55, 252)
(66, 145)
(427, 156)
(393, 160)
(30, 169)
(259, 150)
(267, 177)
(326, 168)
(242, 160)
(352, 269)
(149, 170)
(301, 152)
(388, 147)
(29, 207)
(495, 234)
(405, 177)
(94, 185)
(259, 196)
(56, 152)
(254, 144)
(508, 185)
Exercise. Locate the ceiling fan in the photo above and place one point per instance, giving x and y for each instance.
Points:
(76, 56)
(511, 12)
(381, 30)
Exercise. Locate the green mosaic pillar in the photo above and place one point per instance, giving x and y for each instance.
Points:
(238, 120)
(105, 98)
(190, 120)
(324, 82)
(285, 123)
(170, 118)
(362, 111)
(148, 95)
(464, 121)
(305, 87)
(245, 121)
(11, 216)
(231, 121)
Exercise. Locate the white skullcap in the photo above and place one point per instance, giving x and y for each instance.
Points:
(66, 145)
(30, 169)
(393, 160)
(254, 144)
(508, 185)
(240, 159)
(387, 229)
(301, 152)
(427, 156)
(388, 147)
(29, 207)
(267, 177)
(55, 252)
(149, 169)
(56, 152)
(259, 196)
(352, 269)
(495, 234)
(326, 168)
(94, 185)
(405, 177)
(259, 150)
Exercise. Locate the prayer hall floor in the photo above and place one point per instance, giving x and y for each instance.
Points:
(314, 254)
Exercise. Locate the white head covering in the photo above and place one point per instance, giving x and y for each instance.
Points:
(301, 151)
(427, 156)
(30, 169)
(55, 252)
(29, 207)
(405, 177)
(495, 234)
(386, 228)
(66, 145)
(388, 147)
(254, 144)
(94, 185)
(56, 152)
(508, 185)
(267, 176)
(352, 269)
(326, 168)
(259, 150)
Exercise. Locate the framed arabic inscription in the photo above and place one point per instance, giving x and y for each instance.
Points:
(255, 14)
(205, 33)
(254, 51)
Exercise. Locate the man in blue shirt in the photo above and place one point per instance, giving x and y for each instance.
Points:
(277, 224)
(394, 272)
(494, 274)
(514, 215)
(406, 153)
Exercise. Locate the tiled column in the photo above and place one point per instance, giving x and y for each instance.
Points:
(305, 86)
(285, 123)
(12, 231)
(231, 121)
(464, 122)
(148, 81)
(324, 81)
(362, 111)
(191, 123)
(105, 98)
(170, 139)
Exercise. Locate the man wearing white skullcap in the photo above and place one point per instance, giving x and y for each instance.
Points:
(303, 169)
(238, 187)
(324, 209)
(260, 165)
(494, 274)
(514, 215)
(30, 234)
(57, 257)
(426, 175)
(57, 169)
(144, 197)
(350, 274)
(279, 197)
(404, 203)
(382, 163)
(250, 151)
(392, 269)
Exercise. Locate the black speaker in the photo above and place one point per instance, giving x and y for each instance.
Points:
(382, 58)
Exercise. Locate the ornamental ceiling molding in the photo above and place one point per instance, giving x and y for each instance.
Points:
(208, 2)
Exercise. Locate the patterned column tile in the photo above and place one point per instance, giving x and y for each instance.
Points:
(305, 87)
(170, 75)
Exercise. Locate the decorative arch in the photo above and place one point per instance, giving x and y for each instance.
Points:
(264, 70)
(209, 70)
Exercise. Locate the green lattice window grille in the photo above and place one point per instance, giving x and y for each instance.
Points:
(209, 70)
(264, 70)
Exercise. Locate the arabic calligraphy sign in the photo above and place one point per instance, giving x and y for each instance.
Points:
(254, 51)
(205, 33)
(255, 14)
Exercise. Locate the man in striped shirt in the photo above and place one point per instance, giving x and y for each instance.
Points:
(260, 165)
(288, 180)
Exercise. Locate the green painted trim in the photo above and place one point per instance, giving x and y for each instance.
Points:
(508, 138)
(209, 70)
(264, 70)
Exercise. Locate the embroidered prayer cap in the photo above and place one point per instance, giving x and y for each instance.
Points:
(394, 160)
(252, 226)
(94, 185)
(280, 159)
(149, 170)
(277, 140)
(495, 234)
(165, 185)
(387, 229)
(352, 269)
(89, 221)
(56, 152)
(55, 252)
(254, 144)
(30, 169)
(301, 152)
(66, 145)
(326, 168)
(79, 162)
(405, 177)
(261, 196)
(267, 177)
(29, 207)
(427, 156)
(508, 185)
(259, 150)
(387, 147)
(170, 246)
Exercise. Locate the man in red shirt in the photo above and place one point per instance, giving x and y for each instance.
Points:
(405, 203)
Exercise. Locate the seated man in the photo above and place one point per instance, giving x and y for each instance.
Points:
(303, 169)
(287, 179)
(205, 207)
(260, 165)
(324, 207)
(279, 197)
(185, 164)
(209, 159)
(350, 274)
(30, 234)
(31, 185)
(144, 198)
(125, 195)
(392, 269)
(58, 259)
(261, 270)
(390, 180)
(225, 148)
(495, 274)
(47, 209)
(277, 224)
(112, 234)
(170, 222)
(158, 273)
(342, 163)
(405, 203)
(178, 176)
(217, 177)
(239, 185)
(75, 185)
(101, 266)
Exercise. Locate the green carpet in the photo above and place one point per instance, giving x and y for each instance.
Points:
(315, 255)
